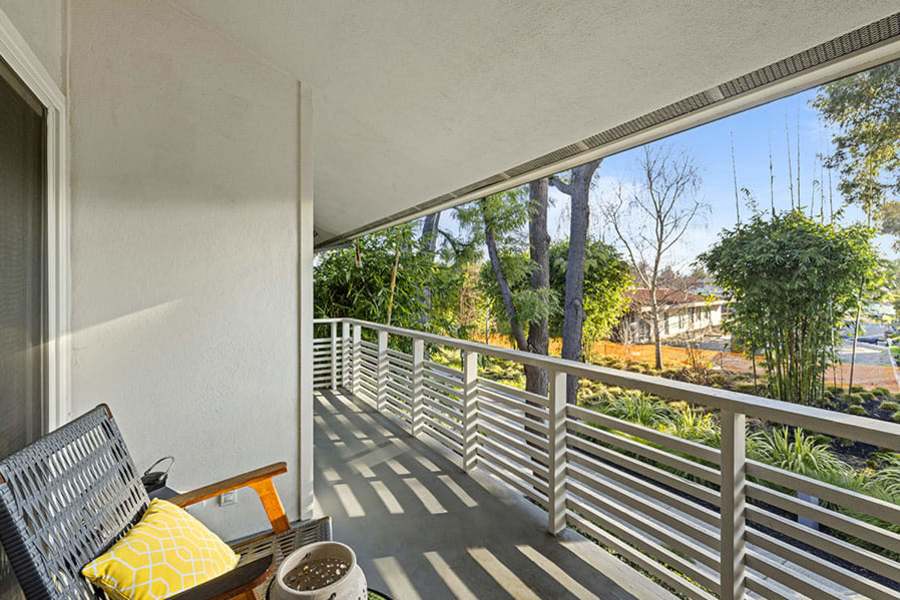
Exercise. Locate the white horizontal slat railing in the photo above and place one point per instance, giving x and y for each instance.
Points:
(706, 522)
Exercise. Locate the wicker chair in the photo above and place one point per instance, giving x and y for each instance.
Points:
(66, 498)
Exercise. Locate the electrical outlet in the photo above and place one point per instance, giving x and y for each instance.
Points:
(228, 498)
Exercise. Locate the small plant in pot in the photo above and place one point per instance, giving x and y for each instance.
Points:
(320, 571)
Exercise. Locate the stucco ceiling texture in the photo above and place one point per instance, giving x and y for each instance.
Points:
(415, 99)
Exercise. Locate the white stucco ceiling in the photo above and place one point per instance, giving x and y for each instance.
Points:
(414, 99)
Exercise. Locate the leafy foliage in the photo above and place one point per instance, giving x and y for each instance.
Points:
(507, 214)
(634, 406)
(865, 109)
(692, 423)
(531, 305)
(606, 279)
(792, 280)
(795, 451)
(345, 287)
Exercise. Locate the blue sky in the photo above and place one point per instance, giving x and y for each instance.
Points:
(710, 147)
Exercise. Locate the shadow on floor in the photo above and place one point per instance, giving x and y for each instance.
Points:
(423, 529)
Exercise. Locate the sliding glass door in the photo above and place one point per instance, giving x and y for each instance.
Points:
(22, 265)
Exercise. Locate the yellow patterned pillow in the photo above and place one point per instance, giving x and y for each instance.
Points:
(167, 552)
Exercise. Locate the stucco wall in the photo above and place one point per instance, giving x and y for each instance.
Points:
(42, 24)
(184, 246)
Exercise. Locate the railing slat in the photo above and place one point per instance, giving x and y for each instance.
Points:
(648, 495)
(826, 543)
(642, 542)
(651, 435)
(878, 433)
(816, 565)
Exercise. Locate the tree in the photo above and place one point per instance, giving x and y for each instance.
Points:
(650, 219)
(606, 281)
(539, 251)
(347, 285)
(428, 241)
(865, 111)
(792, 281)
(578, 187)
(520, 282)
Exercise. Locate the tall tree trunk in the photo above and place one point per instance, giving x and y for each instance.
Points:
(428, 245)
(573, 321)
(856, 322)
(505, 292)
(539, 250)
(657, 342)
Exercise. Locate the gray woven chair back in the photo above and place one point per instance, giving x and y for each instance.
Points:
(63, 501)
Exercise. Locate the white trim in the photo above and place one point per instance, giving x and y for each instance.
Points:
(305, 257)
(16, 52)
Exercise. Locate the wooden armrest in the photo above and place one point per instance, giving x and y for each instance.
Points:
(260, 480)
(241, 580)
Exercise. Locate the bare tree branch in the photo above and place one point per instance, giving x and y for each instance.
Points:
(666, 198)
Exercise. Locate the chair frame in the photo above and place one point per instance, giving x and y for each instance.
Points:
(69, 496)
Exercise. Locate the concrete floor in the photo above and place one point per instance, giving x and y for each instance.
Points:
(423, 529)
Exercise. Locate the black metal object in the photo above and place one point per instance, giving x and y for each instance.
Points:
(154, 480)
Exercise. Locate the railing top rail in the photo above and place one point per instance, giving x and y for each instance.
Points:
(863, 429)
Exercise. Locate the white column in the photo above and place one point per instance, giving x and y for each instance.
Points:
(470, 411)
(334, 356)
(418, 386)
(305, 255)
(354, 361)
(556, 438)
(381, 385)
(346, 350)
(733, 490)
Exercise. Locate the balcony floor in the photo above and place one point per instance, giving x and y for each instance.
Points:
(422, 528)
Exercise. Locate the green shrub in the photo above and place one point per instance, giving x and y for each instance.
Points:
(888, 478)
(857, 410)
(745, 388)
(836, 390)
(867, 395)
(797, 451)
(896, 417)
(881, 391)
(857, 388)
(890, 405)
(854, 398)
(637, 407)
(694, 424)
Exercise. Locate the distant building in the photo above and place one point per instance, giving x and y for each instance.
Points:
(681, 313)
(707, 287)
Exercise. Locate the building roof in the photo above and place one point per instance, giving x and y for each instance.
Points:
(640, 296)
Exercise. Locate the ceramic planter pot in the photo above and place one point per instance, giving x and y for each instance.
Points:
(351, 585)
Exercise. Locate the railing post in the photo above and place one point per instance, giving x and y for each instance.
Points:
(418, 386)
(556, 438)
(334, 356)
(355, 359)
(733, 517)
(470, 411)
(381, 384)
(346, 350)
